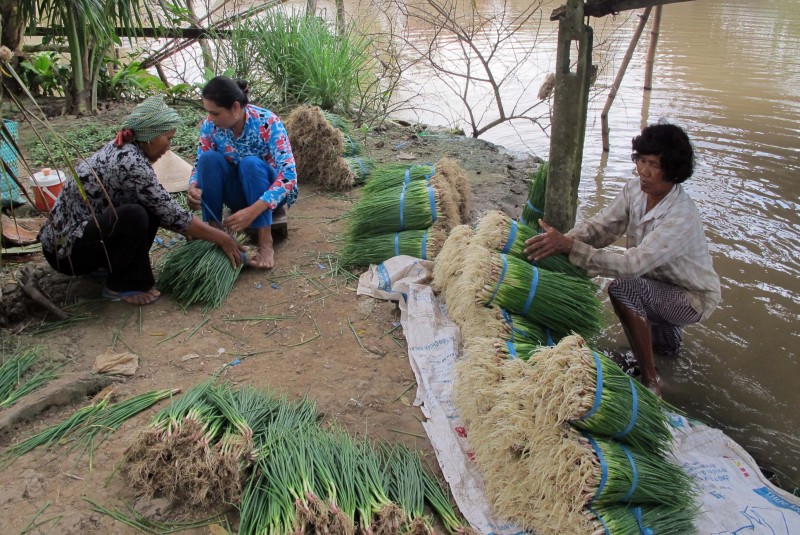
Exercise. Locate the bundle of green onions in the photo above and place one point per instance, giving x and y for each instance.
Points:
(88, 427)
(424, 244)
(361, 167)
(588, 390)
(562, 303)
(393, 175)
(15, 382)
(200, 447)
(351, 145)
(198, 271)
(497, 231)
(537, 188)
(629, 475)
(414, 206)
(625, 519)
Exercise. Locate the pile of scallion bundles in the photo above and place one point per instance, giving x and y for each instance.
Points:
(393, 175)
(656, 519)
(497, 231)
(407, 207)
(586, 389)
(15, 381)
(424, 244)
(537, 188)
(197, 271)
(361, 167)
(562, 303)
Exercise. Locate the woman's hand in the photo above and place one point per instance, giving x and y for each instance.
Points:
(194, 196)
(242, 219)
(548, 243)
(232, 249)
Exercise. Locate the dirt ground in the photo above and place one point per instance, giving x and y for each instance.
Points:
(298, 329)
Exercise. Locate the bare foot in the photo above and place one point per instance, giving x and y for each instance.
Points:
(266, 253)
(654, 386)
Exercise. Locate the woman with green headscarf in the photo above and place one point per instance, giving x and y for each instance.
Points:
(112, 222)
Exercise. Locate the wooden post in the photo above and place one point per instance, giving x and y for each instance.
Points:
(620, 75)
(651, 49)
(340, 25)
(570, 107)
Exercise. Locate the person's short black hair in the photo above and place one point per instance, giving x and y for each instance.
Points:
(224, 91)
(672, 145)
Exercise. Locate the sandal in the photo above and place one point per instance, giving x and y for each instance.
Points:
(112, 295)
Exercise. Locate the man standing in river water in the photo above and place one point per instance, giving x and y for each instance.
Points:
(665, 279)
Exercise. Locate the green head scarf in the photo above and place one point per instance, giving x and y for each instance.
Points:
(151, 119)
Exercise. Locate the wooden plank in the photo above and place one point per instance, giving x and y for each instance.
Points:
(601, 8)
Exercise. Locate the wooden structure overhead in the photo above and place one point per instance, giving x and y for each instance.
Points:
(571, 101)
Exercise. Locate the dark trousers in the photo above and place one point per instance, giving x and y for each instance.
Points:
(119, 242)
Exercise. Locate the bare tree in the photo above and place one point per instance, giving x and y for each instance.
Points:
(478, 55)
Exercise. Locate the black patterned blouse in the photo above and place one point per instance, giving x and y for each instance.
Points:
(128, 178)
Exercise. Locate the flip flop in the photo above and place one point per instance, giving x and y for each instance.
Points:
(111, 295)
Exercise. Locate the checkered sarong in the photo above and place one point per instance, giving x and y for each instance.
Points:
(663, 305)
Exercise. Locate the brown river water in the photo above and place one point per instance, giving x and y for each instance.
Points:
(728, 71)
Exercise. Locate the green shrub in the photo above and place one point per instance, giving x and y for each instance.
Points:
(300, 59)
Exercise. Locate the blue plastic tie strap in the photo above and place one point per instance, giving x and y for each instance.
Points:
(634, 413)
(396, 243)
(408, 176)
(402, 208)
(547, 333)
(432, 199)
(507, 319)
(603, 465)
(532, 292)
(512, 235)
(532, 207)
(361, 165)
(429, 175)
(598, 393)
(637, 514)
(499, 279)
(424, 245)
(600, 519)
(635, 478)
(512, 350)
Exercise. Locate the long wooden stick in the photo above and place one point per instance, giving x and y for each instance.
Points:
(612, 93)
(651, 49)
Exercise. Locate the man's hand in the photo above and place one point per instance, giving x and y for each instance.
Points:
(548, 243)
(194, 196)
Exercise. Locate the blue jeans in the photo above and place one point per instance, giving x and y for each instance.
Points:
(234, 186)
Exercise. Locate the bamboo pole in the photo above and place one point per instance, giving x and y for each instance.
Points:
(651, 49)
(612, 93)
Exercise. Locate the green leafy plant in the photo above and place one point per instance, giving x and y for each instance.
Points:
(45, 74)
(301, 59)
(128, 81)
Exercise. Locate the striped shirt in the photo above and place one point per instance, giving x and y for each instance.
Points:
(665, 244)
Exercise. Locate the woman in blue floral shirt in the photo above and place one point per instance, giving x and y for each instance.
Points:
(245, 162)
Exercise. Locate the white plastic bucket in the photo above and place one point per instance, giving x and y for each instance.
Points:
(46, 185)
